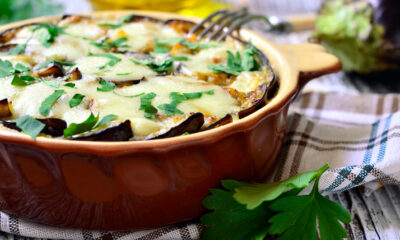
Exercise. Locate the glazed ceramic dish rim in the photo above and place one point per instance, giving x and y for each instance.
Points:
(288, 73)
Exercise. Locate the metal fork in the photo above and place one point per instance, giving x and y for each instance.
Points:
(219, 24)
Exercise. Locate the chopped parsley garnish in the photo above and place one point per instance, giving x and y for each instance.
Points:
(6, 68)
(22, 81)
(187, 43)
(76, 128)
(120, 22)
(29, 125)
(123, 74)
(273, 210)
(49, 83)
(88, 124)
(145, 105)
(170, 109)
(20, 68)
(113, 59)
(51, 32)
(160, 49)
(106, 119)
(71, 85)
(237, 64)
(75, 100)
(105, 86)
(161, 66)
(128, 96)
(45, 64)
(49, 102)
(19, 49)
(106, 43)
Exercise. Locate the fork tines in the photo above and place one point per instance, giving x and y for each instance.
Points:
(219, 24)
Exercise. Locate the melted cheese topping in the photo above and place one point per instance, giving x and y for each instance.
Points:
(75, 45)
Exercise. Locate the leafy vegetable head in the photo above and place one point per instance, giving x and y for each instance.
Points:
(347, 30)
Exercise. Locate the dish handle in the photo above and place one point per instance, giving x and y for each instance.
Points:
(312, 61)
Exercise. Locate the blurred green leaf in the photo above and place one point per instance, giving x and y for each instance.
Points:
(14, 10)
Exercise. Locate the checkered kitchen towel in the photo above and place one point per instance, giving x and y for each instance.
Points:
(357, 135)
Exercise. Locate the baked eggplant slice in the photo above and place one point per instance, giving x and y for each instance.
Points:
(120, 132)
(191, 124)
(74, 75)
(223, 121)
(120, 84)
(53, 126)
(256, 99)
(54, 69)
(5, 110)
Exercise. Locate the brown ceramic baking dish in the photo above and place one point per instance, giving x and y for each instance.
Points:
(146, 184)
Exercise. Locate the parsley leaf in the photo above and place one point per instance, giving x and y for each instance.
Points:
(160, 49)
(161, 66)
(71, 85)
(259, 211)
(76, 128)
(113, 59)
(75, 100)
(29, 125)
(145, 105)
(6, 68)
(106, 119)
(105, 86)
(297, 217)
(51, 32)
(107, 44)
(19, 49)
(170, 109)
(45, 64)
(253, 195)
(236, 64)
(120, 22)
(230, 219)
(21, 81)
(190, 45)
(49, 102)
(21, 68)
(130, 96)
(49, 83)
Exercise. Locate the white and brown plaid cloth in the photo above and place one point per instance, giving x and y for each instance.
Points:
(357, 135)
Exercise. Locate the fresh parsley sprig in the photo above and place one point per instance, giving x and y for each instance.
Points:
(187, 43)
(170, 109)
(236, 63)
(258, 211)
(163, 65)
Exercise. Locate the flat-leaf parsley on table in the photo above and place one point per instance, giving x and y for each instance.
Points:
(273, 210)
